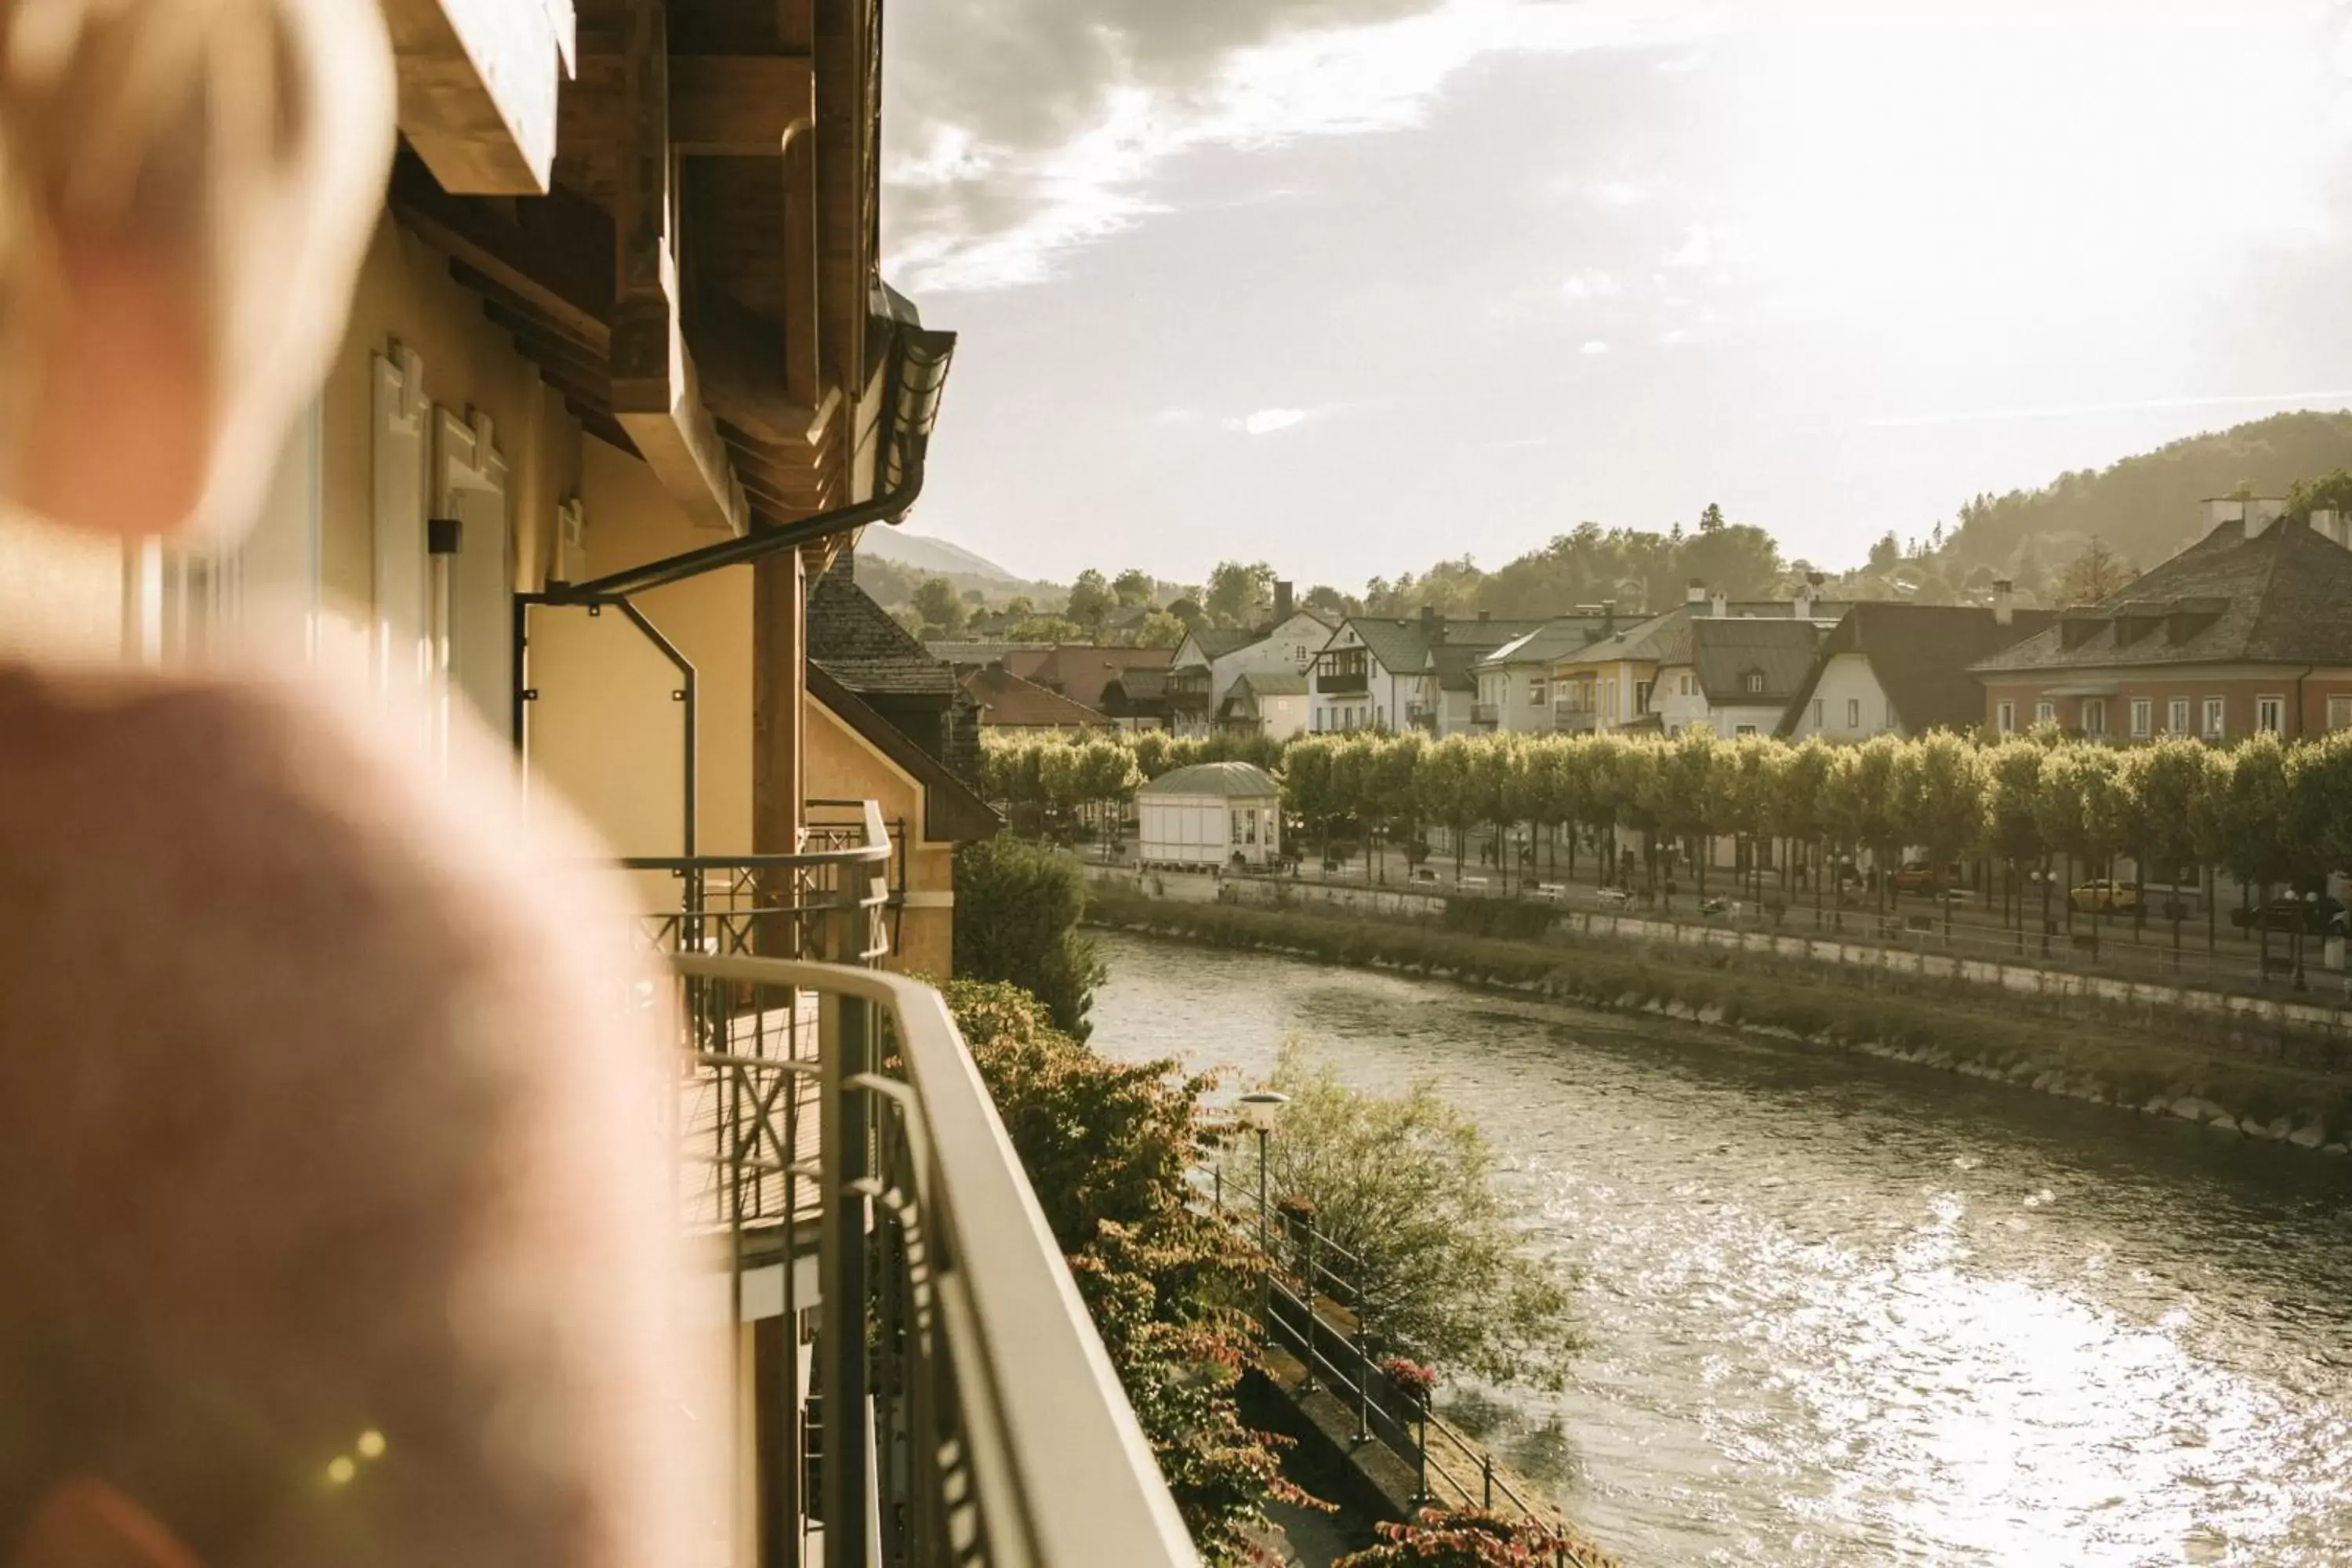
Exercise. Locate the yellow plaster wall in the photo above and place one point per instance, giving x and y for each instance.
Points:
(605, 731)
(842, 765)
(406, 294)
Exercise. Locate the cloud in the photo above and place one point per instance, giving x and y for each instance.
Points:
(1266, 421)
(1591, 284)
(1035, 127)
(1695, 253)
(1594, 347)
(1619, 193)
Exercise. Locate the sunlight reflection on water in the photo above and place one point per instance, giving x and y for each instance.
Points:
(1848, 1312)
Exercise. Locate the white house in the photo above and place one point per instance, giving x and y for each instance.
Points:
(1903, 670)
(1737, 675)
(1210, 814)
(1209, 661)
(1273, 705)
(1383, 673)
(1515, 681)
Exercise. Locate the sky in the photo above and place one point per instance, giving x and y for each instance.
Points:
(1351, 286)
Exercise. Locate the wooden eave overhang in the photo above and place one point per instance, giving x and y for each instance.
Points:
(697, 278)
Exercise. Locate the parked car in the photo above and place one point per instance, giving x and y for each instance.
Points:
(1923, 876)
(2102, 894)
(2287, 914)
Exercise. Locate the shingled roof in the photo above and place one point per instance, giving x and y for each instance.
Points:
(1007, 701)
(1724, 653)
(856, 641)
(2282, 597)
(1080, 671)
(1920, 656)
(1402, 645)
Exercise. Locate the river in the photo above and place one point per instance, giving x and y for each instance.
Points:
(1852, 1312)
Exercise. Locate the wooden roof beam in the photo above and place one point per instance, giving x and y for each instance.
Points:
(738, 106)
(479, 81)
(553, 255)
(656, 391)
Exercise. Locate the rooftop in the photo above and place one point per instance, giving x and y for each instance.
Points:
(1007, 701)
(1234, 781)
(854, 640)
(1920, 655)
(2284, 596)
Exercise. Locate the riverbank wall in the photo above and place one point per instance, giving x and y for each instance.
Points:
(2298, 1094)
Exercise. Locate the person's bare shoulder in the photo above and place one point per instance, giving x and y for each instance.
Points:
(317, 1084)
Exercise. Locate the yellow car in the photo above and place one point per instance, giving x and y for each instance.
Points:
(2102, 894)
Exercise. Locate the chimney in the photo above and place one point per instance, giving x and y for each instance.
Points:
(1486, 614)
(2223, 512)
(2261, 514)
(1608, 617)
(1696, 595)
(1720, 606)
(2004, 602)
(2329, 524)
(1431, 628)
(1283, 604)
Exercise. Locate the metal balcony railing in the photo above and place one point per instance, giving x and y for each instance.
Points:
(830, 901)
(1486, 713)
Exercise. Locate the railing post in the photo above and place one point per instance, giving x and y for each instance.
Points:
(1314, 1315)
(1363, 1383)
(1421, 1452)
(845, 1153)
(1487, 1476)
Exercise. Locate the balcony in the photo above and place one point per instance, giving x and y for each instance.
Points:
(1330, 683)
(1486, 715)
(1420, 716)
(915, 1380)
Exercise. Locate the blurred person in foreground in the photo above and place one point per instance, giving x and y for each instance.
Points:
(331, 1220)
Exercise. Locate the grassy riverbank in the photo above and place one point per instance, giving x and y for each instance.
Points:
(2124, 1067)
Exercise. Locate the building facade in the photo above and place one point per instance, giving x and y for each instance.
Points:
(2246, 631)
(1903, 670)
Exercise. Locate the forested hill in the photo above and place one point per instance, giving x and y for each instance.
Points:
(2145, 507)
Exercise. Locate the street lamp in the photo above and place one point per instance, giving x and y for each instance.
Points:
(1260, 1110)
(2309, 909)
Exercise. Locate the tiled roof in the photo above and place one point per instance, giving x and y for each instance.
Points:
(1079, 671)
(1651, 641)
(1273, 683)
(855, 641)
(1021, 658)
(1402, 645)
(1920, 656)
(1232, 781)
(1008, 701)
(2282, 597)
(1551, 641)
(1724, 653)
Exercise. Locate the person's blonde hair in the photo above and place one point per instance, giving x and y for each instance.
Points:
(242, 144)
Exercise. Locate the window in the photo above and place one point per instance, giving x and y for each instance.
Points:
(1754, 681)
(2215, 729)
(2142, 712)
(1682, 686)
(1537, 692)
(2004, 720)
(2176, 716)
(1854, 712)
(1641, 698)
(1744, 730)
(2095, 715)
(2339, 712)
(2270, 714)
(2045, 711)
(1818, 705)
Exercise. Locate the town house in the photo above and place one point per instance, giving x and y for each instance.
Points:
(2248, 630)
(1898, 668)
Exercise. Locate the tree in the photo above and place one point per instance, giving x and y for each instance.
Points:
(2254, 821)
(1406, 1184)
(1711, 520)
(2083, 813)
(1110, 1149)
(1017, 912)
(936, 602)
(1329, 603)
(1467, 1538)
(1940, 783)
(2166, 785)
(1187, 609)
(1045, 629)
(1239, 595)
(1887, 553)
(1160, 629)
(2093, 576)
(2014, 770)
(1134, 587)
(1090, 602)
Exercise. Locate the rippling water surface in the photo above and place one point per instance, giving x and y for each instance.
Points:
(1852, 1312)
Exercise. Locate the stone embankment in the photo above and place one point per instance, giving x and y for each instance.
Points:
(2284, 1094)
